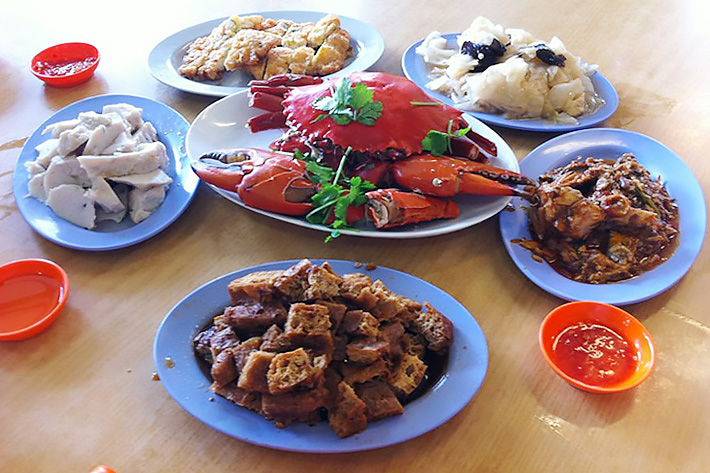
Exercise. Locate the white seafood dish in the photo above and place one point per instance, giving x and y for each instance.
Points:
(101, 166)
(509, 71)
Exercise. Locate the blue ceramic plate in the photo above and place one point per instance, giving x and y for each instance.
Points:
(417, 71)
(171, 127)
(610, 143)
(165, 59)
(189, 385)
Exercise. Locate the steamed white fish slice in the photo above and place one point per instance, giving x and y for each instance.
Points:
(102, 214)
(124, 143)
(143, 202)
(145, 134)
(132, 115)
(46, 151)
(103, 194)
(70, 140)
(72, 203)
(65, 171)
(103, 136)
(93, 120)
(36, 187)
(144, 181)
(33, 168)
(57, 128)
(148, 157)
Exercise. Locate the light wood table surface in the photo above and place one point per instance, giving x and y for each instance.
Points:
(81, 393)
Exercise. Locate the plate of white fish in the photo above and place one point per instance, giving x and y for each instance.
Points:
(508, 77)
(105, 172)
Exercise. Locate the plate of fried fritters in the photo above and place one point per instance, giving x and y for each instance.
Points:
(220, 57)
(296, 413)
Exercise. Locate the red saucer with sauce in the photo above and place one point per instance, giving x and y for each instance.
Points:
(597, 347)
(32, 293)
(66, 65)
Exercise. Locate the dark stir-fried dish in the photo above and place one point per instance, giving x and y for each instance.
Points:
(306, 344)
(599, 221)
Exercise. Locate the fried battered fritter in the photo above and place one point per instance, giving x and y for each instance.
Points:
(267, 47)
(332, 53)
(248, 47)
(204, 58)
(322, 29)
(297, 35)
(301, 60)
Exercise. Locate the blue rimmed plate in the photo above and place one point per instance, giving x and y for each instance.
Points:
(610, 143)
(416, 70)
(165, 59)
(171, 127)
(189, 385)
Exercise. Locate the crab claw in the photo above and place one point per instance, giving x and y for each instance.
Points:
(390, 208)
(263, 179)
(225, 169)
(446, 177)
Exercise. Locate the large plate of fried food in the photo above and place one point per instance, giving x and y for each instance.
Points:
(662, 164)
(219, 57)
(448, 387)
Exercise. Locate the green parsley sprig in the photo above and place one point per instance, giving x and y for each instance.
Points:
(438, 143)
(336, 194)
(347, 104)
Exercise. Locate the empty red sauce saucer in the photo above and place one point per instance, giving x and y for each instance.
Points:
(66, 64)
(32, 294)
(597, 347)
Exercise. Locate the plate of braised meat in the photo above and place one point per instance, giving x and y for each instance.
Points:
(369, 154)
(615, 217)
(317, 356)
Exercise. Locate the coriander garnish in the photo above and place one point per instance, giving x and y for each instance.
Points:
(348, 104)
(438, 143)
(337, 193)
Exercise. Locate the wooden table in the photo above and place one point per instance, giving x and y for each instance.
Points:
(81, 393)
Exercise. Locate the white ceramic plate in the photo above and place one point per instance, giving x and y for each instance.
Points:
(189, 385)
(610, 143)
(417, 71)
(222, 126)
(165, 59)
(171, 128)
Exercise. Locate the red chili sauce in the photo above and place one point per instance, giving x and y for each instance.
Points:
(66, 68)
(594, 354)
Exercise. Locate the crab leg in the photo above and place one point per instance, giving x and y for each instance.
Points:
(447, 177)
(484, 143)
(390, 208)
(279, 91)
(267, 121)
(266, 101)
(294, 80)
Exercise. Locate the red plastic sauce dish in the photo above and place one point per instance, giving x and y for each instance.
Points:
(32, 294)
(597, 347)
(66, 65)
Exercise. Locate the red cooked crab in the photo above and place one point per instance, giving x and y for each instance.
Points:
(386, 148)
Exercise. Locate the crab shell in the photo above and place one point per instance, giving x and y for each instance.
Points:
(402, 125)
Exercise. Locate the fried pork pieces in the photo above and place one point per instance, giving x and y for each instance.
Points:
(305, 343)
(267, 47)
